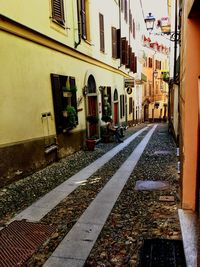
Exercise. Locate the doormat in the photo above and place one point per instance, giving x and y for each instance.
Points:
(162, 253)
(151, 185)
(19, 240)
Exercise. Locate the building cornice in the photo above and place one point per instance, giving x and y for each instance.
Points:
(15, 28)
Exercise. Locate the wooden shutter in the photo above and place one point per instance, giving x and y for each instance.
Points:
(124, 51)
(130, 105)
(130, 21)
(122, 5)
(57, 101)
(73, 97)
(101, 28)
(58, 11)
(128, 56)
(121, 108)
(83, 20)
(132, 62)
(133, 29)
(118, 43)
(135, 65)
(114, 42)
(126, 10)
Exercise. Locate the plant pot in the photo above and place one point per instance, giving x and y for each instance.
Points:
(90, 144)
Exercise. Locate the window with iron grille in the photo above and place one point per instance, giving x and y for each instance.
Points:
(101, 29)
(58, 11)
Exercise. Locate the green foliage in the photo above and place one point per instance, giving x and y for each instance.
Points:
(71, 120)
(105, 118)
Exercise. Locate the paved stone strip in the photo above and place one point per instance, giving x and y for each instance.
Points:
(41, 207)
(76, 246)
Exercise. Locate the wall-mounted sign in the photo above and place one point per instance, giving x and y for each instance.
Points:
(129, 90)
(129, 82)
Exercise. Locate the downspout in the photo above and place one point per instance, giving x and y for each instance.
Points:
(79, 25)
(120, 42)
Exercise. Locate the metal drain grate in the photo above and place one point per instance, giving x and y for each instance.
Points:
(19, 240)
(162, 253)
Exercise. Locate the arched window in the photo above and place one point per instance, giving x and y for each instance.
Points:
(91, 85)
(115, 95)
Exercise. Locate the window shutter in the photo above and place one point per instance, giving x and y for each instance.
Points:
(132, 61)
(135, 65)
(133, 29)
(101, 28)
(130, 21)
(83, 20)
(58, 11)
(126, 10)
(121, 103)
(114, 42)
(128, 56)
(57, 101)
(123, 50)
(118, 43)
(122, 5)
(73, 98)
(130, 105)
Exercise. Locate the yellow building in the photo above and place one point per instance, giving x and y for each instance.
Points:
(155, 87)
(64, 62)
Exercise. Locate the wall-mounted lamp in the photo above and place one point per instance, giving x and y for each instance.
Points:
(155, 74)
(150, 20)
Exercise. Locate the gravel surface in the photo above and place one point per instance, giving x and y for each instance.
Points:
(136, 214)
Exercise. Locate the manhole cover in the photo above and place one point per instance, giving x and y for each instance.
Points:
(19, 240)
(151, 185)
(162, 253)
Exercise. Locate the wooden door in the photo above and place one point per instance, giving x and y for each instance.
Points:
(92, 110)
(115, 113)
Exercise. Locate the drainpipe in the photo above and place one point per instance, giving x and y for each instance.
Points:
(79, 25)
(120, 43)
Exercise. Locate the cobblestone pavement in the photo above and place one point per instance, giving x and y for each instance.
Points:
(136, 214)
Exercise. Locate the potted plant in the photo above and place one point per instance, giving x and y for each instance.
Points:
(66, 89)
(71, 119)
(90, 143)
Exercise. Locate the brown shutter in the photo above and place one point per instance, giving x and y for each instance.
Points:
(118, 43)
(132, 62)
(133, 29)
(135, 65)
(57, 101)
(122, 5)
(58, 11)
(126, 10)
(83, 20)
(123, 50)
(128, 56)
(73, 98)
(101, 28)
(114, 42)
(130, 21)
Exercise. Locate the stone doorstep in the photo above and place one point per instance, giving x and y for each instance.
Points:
(166, 198)
(189, 225)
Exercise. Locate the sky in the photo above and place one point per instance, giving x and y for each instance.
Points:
(158, 8)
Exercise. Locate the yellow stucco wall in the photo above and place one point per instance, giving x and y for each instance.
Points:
(27, 88)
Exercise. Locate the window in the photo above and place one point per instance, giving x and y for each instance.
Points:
(122, 106)
(122, 5)
(130, 21)
(124, 51)
(64, 100)
(150, 62)
(114, 42)
(126, 10)
(101, 28)
(83, 19)
(130, 105)
(133, 29)
(58, 11)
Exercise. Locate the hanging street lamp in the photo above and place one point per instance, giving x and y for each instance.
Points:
(149, 20)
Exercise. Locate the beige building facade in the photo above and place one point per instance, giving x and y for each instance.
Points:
(64, 63)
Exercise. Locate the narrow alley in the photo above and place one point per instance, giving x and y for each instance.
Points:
(103, 204)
